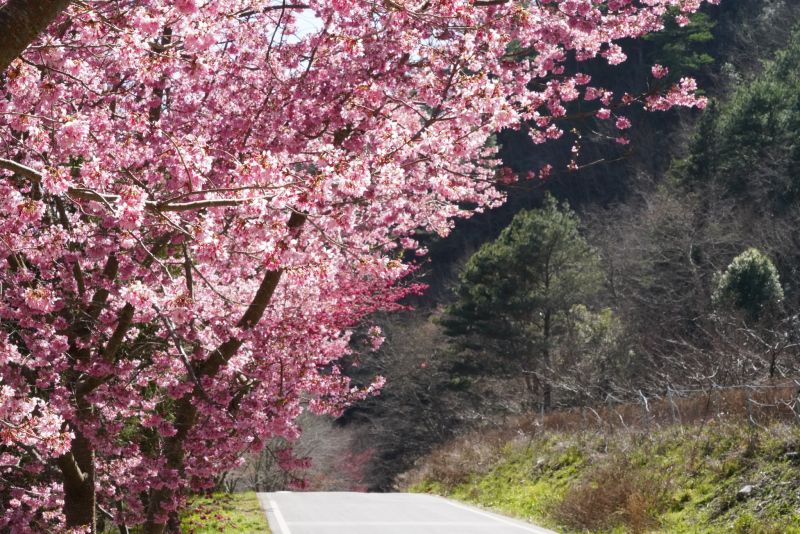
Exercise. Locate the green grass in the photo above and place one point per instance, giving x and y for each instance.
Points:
(224, 512)
(675, 480)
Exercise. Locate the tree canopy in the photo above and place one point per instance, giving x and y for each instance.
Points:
(519, 289)
(750, 284)
(747, 148)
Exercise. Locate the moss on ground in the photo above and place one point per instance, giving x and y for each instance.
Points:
(675, 480)
(238, 513)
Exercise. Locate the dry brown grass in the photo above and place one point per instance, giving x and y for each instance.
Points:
(476, 452)
(759, 405)
(614, 494)
(452, 464)
(606, 484)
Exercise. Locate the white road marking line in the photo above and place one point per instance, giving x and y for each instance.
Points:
(537, 530)
(388, 523)
(282, 526)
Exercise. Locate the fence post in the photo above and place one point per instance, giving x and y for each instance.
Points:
(541, 412)
(672, 406)
(645, 409)
(750, 411)
(797, 400)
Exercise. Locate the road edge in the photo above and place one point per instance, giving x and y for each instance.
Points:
(275, 518)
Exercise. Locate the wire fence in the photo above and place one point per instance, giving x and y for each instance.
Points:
(756, 404)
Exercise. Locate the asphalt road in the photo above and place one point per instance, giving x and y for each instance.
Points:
(382, 513)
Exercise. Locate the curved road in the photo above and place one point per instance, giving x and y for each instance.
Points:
(384, 513)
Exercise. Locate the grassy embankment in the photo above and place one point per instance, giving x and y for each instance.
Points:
(721, 474)
(238, 513)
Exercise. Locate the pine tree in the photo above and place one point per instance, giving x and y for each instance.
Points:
(515, 293)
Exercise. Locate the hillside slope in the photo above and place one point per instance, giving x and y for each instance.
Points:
(702, 478)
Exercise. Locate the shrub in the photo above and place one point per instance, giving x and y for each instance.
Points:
(612, 495)
(750, 284)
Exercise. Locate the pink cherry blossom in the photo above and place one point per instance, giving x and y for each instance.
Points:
(603, 113)
(186, 7)
(659, 71)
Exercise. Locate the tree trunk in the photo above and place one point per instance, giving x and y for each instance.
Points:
(547, 388)
(532, 384)
(21, 21)
(186, 415)
(773, 363)
(547, 396)
(77, 467)
(185, 408)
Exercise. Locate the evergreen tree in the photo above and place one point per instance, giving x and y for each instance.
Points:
(684, 49)
(514, 295)
(750, 284)
(746, 148)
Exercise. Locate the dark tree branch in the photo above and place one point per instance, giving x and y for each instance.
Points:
(21, 21)
(185, 409)
(259, 304)
(79, 193)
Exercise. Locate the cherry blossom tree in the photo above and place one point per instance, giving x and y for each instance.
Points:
(201, 199)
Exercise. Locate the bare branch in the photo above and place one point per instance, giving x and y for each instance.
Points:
(80, 193)
(23, 170)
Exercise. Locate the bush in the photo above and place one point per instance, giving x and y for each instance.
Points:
(613, 495)
(750, 284)
(454, 463)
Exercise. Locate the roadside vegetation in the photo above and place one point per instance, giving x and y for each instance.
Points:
(238, 513)
(721, 475)
(631, 364)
